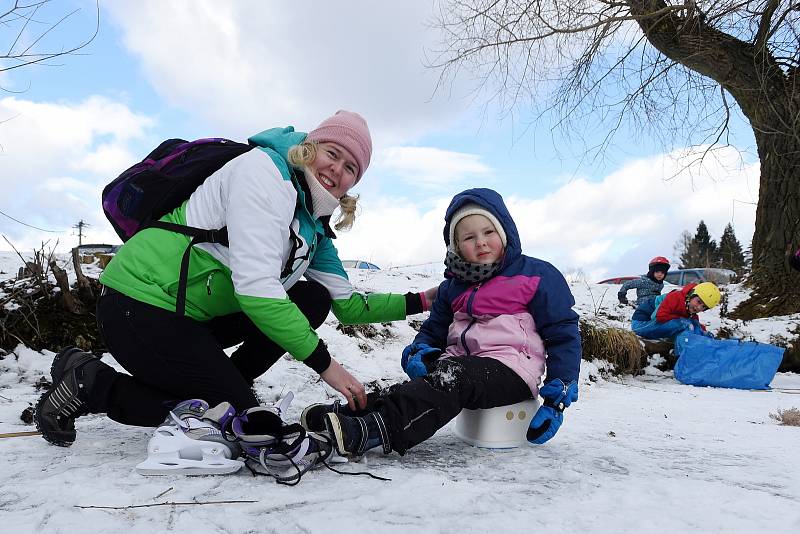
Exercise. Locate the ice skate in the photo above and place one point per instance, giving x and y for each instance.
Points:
(270, 447)
(190, 443)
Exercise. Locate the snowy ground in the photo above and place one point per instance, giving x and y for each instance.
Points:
(643, 454)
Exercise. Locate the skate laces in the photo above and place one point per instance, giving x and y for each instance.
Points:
(269, 447)
(299, 467)
(295, 451)
(185, 411)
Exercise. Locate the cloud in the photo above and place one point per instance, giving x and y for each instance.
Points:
(430, 167)
(245, 66)
(55, 160)
(608, 227)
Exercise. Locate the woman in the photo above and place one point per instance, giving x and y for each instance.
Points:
(276, 202)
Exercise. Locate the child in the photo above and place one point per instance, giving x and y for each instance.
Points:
(668, 315)
(648, 286)
(498, 319)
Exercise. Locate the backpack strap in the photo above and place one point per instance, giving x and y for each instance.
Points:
(201, 235)
(198, 235)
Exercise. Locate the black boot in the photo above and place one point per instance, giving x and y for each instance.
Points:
(313, 417)
(73, 373)
(353, 436)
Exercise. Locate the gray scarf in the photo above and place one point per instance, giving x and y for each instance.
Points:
(467, 271)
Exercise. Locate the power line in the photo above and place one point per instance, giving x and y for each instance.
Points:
(30, 225)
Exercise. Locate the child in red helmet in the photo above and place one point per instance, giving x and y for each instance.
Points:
(648, 286)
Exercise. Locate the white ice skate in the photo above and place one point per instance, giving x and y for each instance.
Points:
(190, 445)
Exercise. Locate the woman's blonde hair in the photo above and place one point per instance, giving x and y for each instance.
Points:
(303, 155)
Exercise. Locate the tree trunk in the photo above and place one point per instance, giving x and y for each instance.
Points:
(776, 286)
(770, 100)
(67, 300)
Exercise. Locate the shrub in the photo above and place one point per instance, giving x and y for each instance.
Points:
(790, 417)
(619, 347)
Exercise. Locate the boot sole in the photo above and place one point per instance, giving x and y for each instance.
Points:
(55, 438)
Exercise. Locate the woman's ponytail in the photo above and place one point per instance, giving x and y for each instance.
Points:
(347, 212)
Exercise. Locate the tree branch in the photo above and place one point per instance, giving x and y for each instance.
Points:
(760, 41)
(168, 503)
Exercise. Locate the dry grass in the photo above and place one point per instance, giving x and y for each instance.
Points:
(618, 346)
(790, 417)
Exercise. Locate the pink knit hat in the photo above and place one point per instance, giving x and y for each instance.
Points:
(350, 130)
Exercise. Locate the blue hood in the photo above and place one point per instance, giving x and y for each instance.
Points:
(493, 202)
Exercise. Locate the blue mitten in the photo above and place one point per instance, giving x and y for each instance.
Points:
(550, 415)
(414, 357)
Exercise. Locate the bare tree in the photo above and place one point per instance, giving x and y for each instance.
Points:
(27, 28)
(682, 67)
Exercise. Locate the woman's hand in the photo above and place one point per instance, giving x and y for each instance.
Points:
(339, 379)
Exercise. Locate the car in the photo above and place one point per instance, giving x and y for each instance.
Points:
(618, 280)
(360, 264)
(681, 277)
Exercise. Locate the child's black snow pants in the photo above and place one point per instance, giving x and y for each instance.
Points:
(415, 410)
(172, 358)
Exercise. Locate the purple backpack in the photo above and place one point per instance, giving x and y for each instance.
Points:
(161, 182)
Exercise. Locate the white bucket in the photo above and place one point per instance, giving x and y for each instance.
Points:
(503, 427)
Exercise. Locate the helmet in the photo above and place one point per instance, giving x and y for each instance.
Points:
(708, 293)
(659, 260)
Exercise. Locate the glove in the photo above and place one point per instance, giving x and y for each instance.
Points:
(416, 358)
(622, 299)
(550, 415)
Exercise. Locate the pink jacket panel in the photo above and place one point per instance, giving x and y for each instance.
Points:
(509, 338)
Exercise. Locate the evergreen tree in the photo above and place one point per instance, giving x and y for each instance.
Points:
(707, 254)
(730, 252)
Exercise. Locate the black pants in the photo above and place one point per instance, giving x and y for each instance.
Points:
(415, 410)
(172, 358)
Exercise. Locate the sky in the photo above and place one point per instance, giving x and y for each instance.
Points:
(157, 70)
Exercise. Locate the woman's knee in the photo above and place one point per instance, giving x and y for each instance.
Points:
(313, 299)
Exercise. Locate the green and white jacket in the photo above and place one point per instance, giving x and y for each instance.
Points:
(258, 199)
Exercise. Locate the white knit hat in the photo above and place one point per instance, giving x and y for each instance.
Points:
(474, 209)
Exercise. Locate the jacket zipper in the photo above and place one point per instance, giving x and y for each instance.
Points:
(208, 283)
(469, 312)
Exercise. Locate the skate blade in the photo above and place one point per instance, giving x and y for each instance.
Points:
(188, 467)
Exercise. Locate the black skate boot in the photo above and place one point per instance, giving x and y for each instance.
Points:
(73, 373)
(313, 417)
(271, 447)
(353, 436)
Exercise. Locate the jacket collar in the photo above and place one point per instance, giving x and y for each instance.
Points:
(305, 202)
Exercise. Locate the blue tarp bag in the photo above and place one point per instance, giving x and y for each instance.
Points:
(725, 363)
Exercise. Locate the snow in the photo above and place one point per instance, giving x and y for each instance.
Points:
(635, 454)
